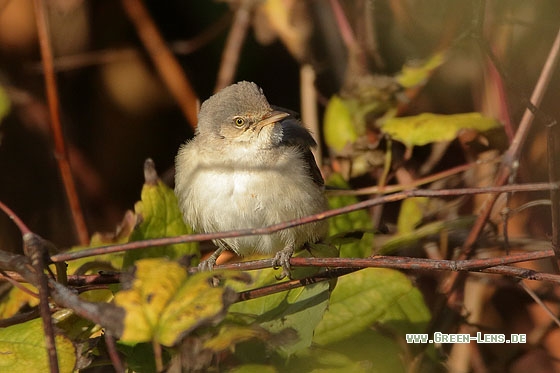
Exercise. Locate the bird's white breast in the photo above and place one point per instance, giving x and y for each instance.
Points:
(226, 195)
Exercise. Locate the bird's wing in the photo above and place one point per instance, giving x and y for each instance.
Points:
(295, 134)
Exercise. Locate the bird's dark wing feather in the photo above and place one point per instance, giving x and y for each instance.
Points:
(294, 134)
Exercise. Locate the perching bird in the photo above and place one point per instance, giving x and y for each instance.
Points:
(249, 166)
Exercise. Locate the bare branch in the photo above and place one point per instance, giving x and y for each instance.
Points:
(165, 62)
(60, 151)
(308, 219)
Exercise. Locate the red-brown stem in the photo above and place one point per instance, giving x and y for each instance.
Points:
(60, 151)
(234, 42)
(165, 62)
(305, 220)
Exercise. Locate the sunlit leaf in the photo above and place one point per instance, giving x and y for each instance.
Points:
(415, 74)
(427, 128)
(22, 349)
(342, 225)
(163, 303)
(372, 295)
(300, 309)
(411, 213)
(160, 217)
(15, 299)
(339, 127)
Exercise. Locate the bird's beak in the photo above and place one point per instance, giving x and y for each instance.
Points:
(271, 118)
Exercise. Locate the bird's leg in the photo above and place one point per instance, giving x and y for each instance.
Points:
(208, 264)
(282, 259)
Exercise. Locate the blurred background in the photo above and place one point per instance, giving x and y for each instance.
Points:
(116, 110)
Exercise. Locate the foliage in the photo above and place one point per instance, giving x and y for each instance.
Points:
(413, 95)
(23, 349)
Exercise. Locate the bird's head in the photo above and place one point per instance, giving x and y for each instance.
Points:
(240, 113)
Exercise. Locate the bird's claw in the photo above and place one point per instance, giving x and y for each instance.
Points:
(282, 259)
(207, 265)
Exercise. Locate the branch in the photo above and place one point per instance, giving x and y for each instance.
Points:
(60, 151)
(305, 220)
(234, 42)
(165, 62)
(37, 252)
(512, 155)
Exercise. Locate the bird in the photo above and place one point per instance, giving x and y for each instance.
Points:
(250, 166)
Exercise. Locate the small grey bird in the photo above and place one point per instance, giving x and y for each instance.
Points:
(249, 166)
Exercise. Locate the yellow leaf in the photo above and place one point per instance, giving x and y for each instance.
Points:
(22, 349)
(414, 74)
(427, 128)
(163, 303)
(411, 214)
(339, 126)
(16, 299)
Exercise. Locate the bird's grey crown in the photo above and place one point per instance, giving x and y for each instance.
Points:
(238, 99)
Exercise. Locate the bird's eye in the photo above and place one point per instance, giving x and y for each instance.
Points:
(239, 122)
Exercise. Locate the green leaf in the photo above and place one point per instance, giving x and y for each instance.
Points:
(140, 357)
(160, 217)
(15, 299)
(339, 127)
(163, 303)
(22, 348)
(300, 309)
(357, 221)
(411, 214)
(427, 128)
(415, 74)
(372, 295)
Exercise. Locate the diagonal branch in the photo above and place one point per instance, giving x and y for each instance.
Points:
(396, 197)
(165, 62)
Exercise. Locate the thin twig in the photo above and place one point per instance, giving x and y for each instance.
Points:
(4, 275)
(36, 251)
(396, 197)
(165, 62)
(105, 56)
(553, 175)
(399, 187)
(234, 42)
(20, 318)
(539, 301)
(60, 150)
(511, 157)
(24, 229)
(344, 266)
(113, 353)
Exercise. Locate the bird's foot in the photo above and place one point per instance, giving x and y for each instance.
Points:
(282, 259)
(208, 264)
